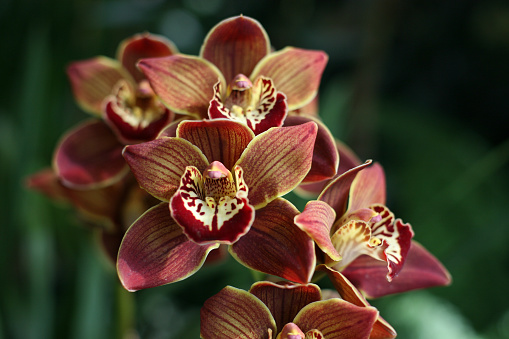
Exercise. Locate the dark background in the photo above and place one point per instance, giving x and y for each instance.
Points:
(420, 86)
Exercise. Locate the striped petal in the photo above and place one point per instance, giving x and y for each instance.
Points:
(158, 165)
(185, 84)
(140, 46)
(285, 300)
(295, 72)
(235, 45)
(317, 220)
(421, 270)
(277, 160)
(367, 188)
(233, 313)
(93, 80)
(275, 245)
(219, 140)
(89, 157)
(337, 319)
(155, 252)
(381, 329)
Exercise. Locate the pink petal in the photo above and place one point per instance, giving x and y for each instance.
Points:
(235, 46)
(89, 156)
(232, 314)
(296, 72)
(337, 319)
(155, 252)
(159, 164)
(421, 270)
(140, 46)
(93, 80)
(337, 191)
(325, 154)
(277, 160)
(185, 84)
(275, 245)
(224, 222)
(317, 220)
(285, 300)
(219, 140)
(368, 188)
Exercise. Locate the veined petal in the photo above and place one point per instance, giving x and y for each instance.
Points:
(277, 160)
(381, 329)
(368, 188)
(421, 270)
(296, 72)
(89, 156)
(337, 319)
(219, 140)
(170, 131)
(325, 154)
(317, 220)
(235, 45)
(184, 83)
(159, 164)
(396, 235)
(336, 192)
(205, 219)
(93, 80)
(285, 300)
(348, 157)
(155, 252)
(140, 46)
(233, 313)
(275, 245)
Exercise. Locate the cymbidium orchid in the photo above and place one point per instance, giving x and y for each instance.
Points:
(219, 184)
(360, 236)
(291, 311)
(90, 155)
(237, 77)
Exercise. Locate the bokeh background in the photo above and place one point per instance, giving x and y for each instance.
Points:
(420, 86)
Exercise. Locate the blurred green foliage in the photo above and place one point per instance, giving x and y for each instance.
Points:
(420, 86)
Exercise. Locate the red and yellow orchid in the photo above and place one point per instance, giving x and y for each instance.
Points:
(115, 91)
(361, 237)
(290, 311)
(237, 77)
(220, 185)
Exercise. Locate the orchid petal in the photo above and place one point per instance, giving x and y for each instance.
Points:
(337, 319)
(421, 270)
(207, 220)
(185, 84)
(141, 46)
(337, 190)
(285, 300)
(219, 140)
(274, 245)
(291, 331)
(159, 164)
(381, 329)
(309, 109)
(348, 157)
(155, 252)
(317, 220)
(93, 80)
(89, 156)
(277, 160)
(296, 72)
(325, 154)
(233, 313)
(367, 188)
(236, 45)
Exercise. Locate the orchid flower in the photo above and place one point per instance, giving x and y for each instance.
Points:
(219, 184)
(290, 311)
(236, 76)
(360, 236)
(90, 155)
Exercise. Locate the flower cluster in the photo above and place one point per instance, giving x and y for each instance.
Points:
(186, 154)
